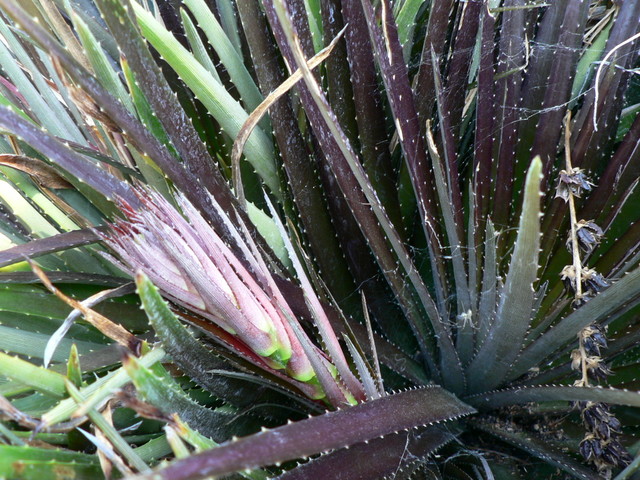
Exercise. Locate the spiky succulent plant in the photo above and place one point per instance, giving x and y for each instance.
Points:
(369, 239)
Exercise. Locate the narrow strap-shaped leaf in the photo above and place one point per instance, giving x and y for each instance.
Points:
(80, 168)
(485, 120)
(396, 79)
(101, 65)
(507, 332)
(156, 89)
(302, 176)
(560, 80)
(590, 138)
(42, 100)
(435, 40)
(460, 66)
(228, 55)
(64, 277)
(606, 302)
(15, 461)
(363, 422)
(226, 110)
(549, 393)
(366, 207)
(44, 246)
(370, 115)
(41, 379)
(98, 390)
(487, 306)
(385, 456)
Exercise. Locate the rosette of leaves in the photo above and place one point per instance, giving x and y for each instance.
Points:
(391, 225)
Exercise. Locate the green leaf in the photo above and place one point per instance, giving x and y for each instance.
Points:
(506, 336)
(160, 390)
(598, 308)
(100, 63)
(39, 378)
(229, 56)
(549, 393)
(224, 108)
(98, 391)
(31, 463)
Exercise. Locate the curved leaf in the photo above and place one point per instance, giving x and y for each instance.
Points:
(365, 422)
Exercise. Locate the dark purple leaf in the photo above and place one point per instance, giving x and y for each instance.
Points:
(566, 52)
(297, 160)
(589, 144)
(369, 111)
(435, 41)
(455, 81)
(375, 232)
(511, 60)
(621, 172)
(384, 456)
(80, 169)
(485, 118)
(44, 246)
(339, 429)
(395, 76)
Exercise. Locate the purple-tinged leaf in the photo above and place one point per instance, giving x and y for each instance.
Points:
(512, 59)
(485, 118)
(455, 82)
(620, 173)
(558, 86)
(339, 429)
(369, 111)
(384, 456)
(339, 89)
(435, 41)
(550, 393)
(589, 139)
(621, 255)
(395, 76)
(388, 354)
(361, 198)
(79, 168)
(320, 318)
(539, 448)
(44, 246)
(190, 354)
(296, 158)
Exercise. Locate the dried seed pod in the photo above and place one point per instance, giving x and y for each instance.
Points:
(593, 282)
(588, 234)
(572, 183)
